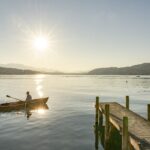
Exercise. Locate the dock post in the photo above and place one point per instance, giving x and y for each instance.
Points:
(127, 102)
(96, 123)
(125, 137)
(148, 112)
(100, 119)
(106, 141)
(96, 110)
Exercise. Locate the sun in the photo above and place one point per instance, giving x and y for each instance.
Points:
(40, 43)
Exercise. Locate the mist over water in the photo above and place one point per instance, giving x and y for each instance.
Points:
(68, 124)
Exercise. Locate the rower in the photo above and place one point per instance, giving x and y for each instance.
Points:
(29, 97)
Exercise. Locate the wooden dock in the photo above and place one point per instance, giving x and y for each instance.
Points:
(134, 129)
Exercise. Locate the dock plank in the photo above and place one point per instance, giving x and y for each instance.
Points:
(139, 127)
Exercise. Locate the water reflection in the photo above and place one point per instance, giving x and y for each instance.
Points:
(39, 109)
(38, 80)
(28, 113)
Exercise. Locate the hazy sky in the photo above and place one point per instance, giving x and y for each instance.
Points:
(83, 34)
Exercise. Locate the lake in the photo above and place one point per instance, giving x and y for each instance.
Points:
(68, 123)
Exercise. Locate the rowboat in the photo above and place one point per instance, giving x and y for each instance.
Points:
(14, 106)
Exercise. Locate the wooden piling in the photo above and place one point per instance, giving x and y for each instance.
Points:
(125, 137)
(100, 119)
(148, 112)
(96, 137)
(127, 102)
(106, 142)
(96, 123)
(96, 110)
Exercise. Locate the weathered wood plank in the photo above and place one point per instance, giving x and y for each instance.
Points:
(138, 127)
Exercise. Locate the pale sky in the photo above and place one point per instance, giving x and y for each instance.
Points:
(82, 34)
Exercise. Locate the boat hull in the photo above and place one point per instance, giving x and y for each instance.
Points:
(14, 106)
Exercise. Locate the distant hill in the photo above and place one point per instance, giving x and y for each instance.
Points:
(26, 67)
(13, 71)
(141, 69)
(18, 66)
(13, 68)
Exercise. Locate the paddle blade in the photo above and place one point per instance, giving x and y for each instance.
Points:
(7, 96)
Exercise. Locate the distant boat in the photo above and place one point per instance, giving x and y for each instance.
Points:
(13, 106)
(138, 76)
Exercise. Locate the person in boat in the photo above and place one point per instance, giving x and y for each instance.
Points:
(29, 97)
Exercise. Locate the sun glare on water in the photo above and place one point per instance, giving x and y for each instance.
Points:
(41, 111)
(40, 43)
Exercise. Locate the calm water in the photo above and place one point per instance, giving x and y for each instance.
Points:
(68, 124)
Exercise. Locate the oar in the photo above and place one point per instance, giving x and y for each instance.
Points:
(18, 100)
(14, 98)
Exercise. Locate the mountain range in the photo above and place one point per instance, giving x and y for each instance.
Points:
(26, 67)
(17, 69)
(14, 71)
(140, 69)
